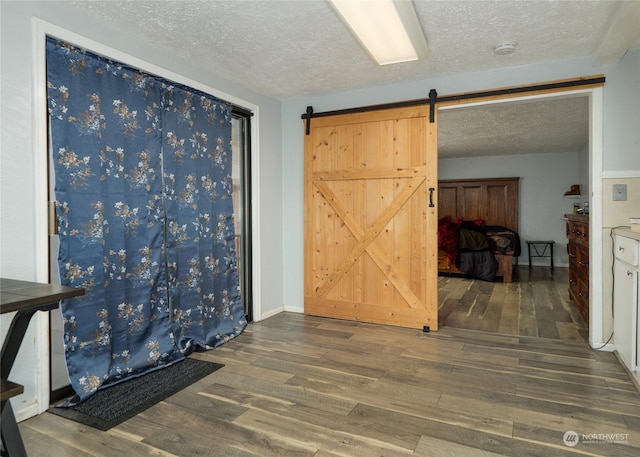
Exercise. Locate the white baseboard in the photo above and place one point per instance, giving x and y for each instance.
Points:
(294, 309)
(271, 313)
(633, 375)
(545, 264)
(26, 411)
(608, 347)
(281, 309)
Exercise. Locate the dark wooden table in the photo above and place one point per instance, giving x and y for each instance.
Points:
(25, 298)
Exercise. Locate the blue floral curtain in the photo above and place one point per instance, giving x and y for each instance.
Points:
(145, 217)
(204, 284)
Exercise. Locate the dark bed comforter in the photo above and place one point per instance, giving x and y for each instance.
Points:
(479, 264)
(472, 244)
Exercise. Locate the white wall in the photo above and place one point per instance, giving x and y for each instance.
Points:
(544, 178)
(583, 167)
(19, 258)
(622, 115)
(621, 164)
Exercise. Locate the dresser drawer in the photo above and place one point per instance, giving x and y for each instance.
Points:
(578, 253)
(578, 261)
(627, 250)
(582, 263)
(573, 283)
(572, 252)
(579, 233)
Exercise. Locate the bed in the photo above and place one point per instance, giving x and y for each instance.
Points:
(478, 227)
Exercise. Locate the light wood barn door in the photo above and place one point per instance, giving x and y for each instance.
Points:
(370, 231)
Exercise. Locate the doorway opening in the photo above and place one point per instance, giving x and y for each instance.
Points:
(587, 169)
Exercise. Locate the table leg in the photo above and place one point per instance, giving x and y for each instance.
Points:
(14, 337)
(11, 440)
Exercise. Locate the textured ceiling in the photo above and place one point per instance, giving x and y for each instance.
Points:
(532, 127)
(291, 49)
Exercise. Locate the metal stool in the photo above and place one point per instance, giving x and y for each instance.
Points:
(547, 244)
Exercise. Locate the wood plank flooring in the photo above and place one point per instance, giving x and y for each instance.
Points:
(296, 385)
(536, 303)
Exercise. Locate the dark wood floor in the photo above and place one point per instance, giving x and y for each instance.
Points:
(536, 303)
(296, 385)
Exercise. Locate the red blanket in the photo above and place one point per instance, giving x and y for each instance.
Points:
(448, 236)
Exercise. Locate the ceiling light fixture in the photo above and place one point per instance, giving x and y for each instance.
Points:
(505, 49)
(388, 29)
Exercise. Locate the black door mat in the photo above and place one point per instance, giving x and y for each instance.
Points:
(110, 406)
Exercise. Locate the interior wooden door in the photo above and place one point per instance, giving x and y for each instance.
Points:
(370, 217)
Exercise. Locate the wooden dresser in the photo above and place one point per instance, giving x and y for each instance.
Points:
(578, 252)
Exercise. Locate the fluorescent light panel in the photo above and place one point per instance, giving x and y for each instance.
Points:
(388, 29)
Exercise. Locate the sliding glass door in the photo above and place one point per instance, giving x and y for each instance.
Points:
(241, 173)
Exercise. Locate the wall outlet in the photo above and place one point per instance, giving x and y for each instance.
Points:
(619, 192)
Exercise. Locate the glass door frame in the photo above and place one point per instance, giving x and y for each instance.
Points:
(245, 247)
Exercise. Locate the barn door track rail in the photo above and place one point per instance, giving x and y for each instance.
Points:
(433, 99)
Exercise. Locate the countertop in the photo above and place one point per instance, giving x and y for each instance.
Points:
(627, 232)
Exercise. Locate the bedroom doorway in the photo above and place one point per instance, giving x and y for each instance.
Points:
(590, 98)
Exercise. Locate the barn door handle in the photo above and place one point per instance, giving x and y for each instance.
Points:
(431, 189)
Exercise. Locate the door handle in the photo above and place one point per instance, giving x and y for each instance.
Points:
(431, 189)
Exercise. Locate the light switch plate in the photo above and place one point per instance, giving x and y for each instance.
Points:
(619, 192)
